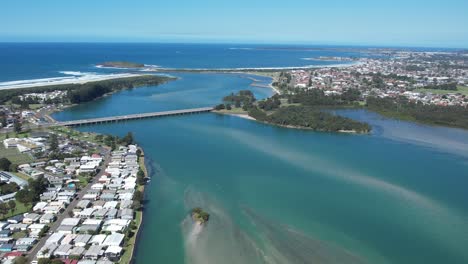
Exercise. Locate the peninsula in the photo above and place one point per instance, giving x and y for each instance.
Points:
(287, 112)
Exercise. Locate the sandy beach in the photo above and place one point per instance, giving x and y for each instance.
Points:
(72, 79)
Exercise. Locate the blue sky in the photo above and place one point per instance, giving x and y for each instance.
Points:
(359, 22)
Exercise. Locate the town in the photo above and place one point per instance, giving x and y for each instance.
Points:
(438, 78)
(69, 197)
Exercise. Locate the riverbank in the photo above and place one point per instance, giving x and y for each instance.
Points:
(129, 252)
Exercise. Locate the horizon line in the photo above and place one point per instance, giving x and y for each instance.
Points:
(360, 45)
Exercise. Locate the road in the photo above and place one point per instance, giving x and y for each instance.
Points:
(33, 252)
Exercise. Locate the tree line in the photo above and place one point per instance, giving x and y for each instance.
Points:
(454, 116)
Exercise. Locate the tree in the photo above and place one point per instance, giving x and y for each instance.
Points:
(20, 260)
(219, 107)
(4, 208)
(12, 205)
(53, 141)
(5, 164)
(13, 167)
(128, 139)
(17, 126)
(140, 177)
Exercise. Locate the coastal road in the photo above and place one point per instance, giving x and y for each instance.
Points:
(33, 253)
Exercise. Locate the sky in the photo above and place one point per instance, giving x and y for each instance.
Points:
(426, 23)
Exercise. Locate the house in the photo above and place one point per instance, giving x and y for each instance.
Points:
(31, 218)
(9, 177)
(65, 229)
(111, 205)
(68, 239)
(126, 204)
(108, 197)
(126, 214)
(100, 214)
(97, 186)
(36, 228)
(83, 204)
(91, 196)
(47, 250)
(25, 243)
(12, 255)
(94, 252)
(113, 253)
(39, 206)
(77, 252)
(18, 227)
(82, 240)
(53, 209)
(63, 251)
(6, 247)
(5, 233)
(97, 239)
(114, 239)
(48, 196)
(47, 219)
(99, 204)
(86, 213)
(7, 197)
(71, 221)
(55, 238)
(111, 213)
(3, 225)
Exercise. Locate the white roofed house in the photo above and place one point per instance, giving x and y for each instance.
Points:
(82, 240)
(31, 218)
(94, 252)
(55, 238)
(63, 251)
(97, 239)
(68, 239)
(47, 219)
(47, 250)
(113, 253)
(39, 206)
(115, 239)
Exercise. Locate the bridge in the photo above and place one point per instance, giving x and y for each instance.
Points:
(113, 119)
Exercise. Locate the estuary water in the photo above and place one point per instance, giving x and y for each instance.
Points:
(275, 195)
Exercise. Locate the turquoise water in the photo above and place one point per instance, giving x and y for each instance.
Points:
(277, 195)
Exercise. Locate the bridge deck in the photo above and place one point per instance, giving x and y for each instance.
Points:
(134, 116)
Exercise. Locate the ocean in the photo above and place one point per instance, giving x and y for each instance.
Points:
(275, 195)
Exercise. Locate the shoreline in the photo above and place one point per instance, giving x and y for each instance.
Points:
(135, 238)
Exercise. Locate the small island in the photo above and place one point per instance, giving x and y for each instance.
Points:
(121, 64)
(200, 216)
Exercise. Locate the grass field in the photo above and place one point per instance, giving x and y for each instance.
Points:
(14, 155)
(20, 209)
(22, 176)
(461, 89)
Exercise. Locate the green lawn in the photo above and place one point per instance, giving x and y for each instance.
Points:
(20, 234)
(22, 176)
(83, 136)
(20, 209)
(461, 89)
(14, 155)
